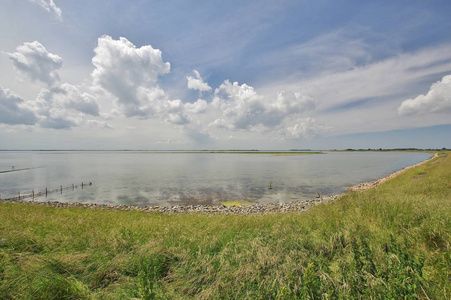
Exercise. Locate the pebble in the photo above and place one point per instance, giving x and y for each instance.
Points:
(372, 184)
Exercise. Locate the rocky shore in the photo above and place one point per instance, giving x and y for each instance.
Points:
(372, 184)
(257, 208)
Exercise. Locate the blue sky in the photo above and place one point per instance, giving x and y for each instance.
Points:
(224, 74)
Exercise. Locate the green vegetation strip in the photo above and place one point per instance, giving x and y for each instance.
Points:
(390, 242)
(232, 152)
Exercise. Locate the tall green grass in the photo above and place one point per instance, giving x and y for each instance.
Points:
(391, 242)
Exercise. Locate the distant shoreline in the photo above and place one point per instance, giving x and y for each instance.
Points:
(278, 152)
(233, 150)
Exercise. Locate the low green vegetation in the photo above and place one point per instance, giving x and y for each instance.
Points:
(236, 152)
(390, 242)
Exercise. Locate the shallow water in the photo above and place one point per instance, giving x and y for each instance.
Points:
(143, 178)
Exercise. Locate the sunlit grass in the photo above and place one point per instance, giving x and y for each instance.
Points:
(391, 242)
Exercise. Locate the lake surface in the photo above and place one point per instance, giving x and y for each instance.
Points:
(146, 178)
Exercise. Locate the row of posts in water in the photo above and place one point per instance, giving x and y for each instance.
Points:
(60, 189)
(47, 191)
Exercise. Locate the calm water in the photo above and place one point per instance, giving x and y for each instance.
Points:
(140, 178)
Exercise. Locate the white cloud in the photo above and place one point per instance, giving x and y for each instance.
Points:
(71, 97)
(198, 107)
(98, 124)
(304, 128)
(239, 108)
(52, 113)
(60, 106)
(438, 99)
(197, 83)
(33, 60)
(57, 118)
(50, 6)
(66, 106)
(242, 108)
(131, 75)
(175, 112)
(13, 109)
(373, 92)
(292, 103)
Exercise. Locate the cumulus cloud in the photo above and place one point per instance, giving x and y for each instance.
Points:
(66, 106)
(438, 99)
(71, 97)
(98, 124)
(52, 113)
(34, 61)
(304, 127)
(175, 112)
(197, 83)
(241, 105)
(130, 74)
(13, 109)
(198, 107)
(60, 106)
(293, 103)
(50, 6)
(57, 118)
(242, 108)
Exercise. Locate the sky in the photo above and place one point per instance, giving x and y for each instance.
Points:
(185, 75)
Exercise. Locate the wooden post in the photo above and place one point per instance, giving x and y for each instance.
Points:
(33, 194)
(82, 185)
(46, 192)
(61, 188)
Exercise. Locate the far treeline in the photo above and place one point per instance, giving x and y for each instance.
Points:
(397, 149)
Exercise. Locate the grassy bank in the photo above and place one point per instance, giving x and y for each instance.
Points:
(389, 242)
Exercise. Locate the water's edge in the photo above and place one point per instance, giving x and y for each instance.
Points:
(221, 209)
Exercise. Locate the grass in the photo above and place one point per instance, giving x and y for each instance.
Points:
(391, 242)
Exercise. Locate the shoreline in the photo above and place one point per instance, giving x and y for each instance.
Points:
(256, 208)
(374, 183)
